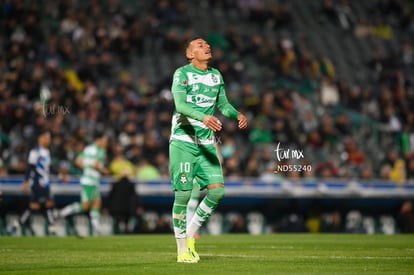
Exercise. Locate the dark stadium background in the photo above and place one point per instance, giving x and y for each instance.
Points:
(333, 79)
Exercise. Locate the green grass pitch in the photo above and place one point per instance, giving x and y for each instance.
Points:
(223, 254)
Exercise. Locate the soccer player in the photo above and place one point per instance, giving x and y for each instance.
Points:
(92, 161)
(37, 176)
(197, 90)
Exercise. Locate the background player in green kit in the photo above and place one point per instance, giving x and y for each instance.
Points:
(197, 90)
(92, 161)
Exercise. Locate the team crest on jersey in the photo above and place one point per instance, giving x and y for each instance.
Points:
(185, 82)
(183, 178)
(214, 78)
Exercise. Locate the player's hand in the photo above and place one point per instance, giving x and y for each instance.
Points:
(105, 171)
(242, 121)
(25, 186)
(212, 122)
(63, 177)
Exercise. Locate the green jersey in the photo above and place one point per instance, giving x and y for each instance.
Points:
(90, 155)
(196, 93)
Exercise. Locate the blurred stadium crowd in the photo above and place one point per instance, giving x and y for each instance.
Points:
(331, 78)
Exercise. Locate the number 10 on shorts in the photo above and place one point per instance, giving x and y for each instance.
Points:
(185, 167)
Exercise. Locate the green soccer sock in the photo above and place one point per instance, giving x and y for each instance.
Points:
(71, 209)
(179, 214)
(95, 215)
(50, 216)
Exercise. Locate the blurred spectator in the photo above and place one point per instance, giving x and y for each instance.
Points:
(238, 225)
(161, 227)
(397, 172)
(332, 222)
(313, 221)
(366, 172)
(381, 29)
(161, 162)
(325, 67)
(314, 140)
(260, 132)
(355, 156)
(327, 131)
(281, 131)
(362, 29)
(369, 105)
(328, 11)
(305, 113)
(326, 170)
(390, 158)
(129, 135)
(282, 16)
(354, 100)
(405, 218)
(119, 165)
(292, 223)
(410, 169)
(147, 171)
(346, 15)
(353, 223)
(3, 170)
(171, 43)
(385, 171)
(17, 161)
(250, 98)
(123, 203)
(407, 54)
(378, 64)
(329, 92)
(342, 125)
(3, 224)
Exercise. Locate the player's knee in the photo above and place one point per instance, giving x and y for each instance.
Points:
(49, 204)
(182, 197)
(96, 203)
(216, 194)
(85, 206)
(34, 206)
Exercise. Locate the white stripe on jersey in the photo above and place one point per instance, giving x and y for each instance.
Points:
(207, 79)
(179, 119)
(40, 158)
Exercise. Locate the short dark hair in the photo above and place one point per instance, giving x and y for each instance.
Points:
(42, 132)
(99, 134)
(187, 45)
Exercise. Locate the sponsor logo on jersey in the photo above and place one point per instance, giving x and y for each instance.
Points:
(208, 79)
(201, 100)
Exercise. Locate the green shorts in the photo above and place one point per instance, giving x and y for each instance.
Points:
(89, 192)
(189, 162)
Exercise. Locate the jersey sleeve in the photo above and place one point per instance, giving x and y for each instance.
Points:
(179, 92)
(87, 158)
(33, 156)
(223, 104)
(31, 164)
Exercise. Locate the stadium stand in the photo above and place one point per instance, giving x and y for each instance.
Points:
(333, 79)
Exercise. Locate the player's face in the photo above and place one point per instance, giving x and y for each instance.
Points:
(199, 50)
(44, 140)
(103, 142)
